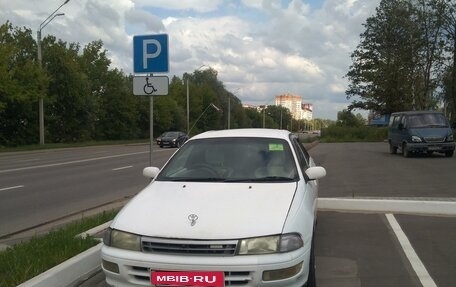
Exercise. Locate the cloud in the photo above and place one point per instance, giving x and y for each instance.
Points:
(259, 48)
(202, 6)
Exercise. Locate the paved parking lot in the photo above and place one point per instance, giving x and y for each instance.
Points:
(358, 249)
(362, 250)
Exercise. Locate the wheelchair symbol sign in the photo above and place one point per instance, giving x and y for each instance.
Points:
(150, 54)
(150, 86)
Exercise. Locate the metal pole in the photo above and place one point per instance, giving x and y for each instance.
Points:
(229, 111)
(40, 101)
(38, 40)
(151, 101)
(264, 112)
(281, 119)
(188, 110)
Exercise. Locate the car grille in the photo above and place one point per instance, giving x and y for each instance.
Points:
(141, 276)
(434, 139)
(189, 247)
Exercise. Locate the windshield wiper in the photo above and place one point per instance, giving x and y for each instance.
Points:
(198, 179)
(262, 179)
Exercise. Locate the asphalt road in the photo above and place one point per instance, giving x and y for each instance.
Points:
(352, 249)
(42, 186)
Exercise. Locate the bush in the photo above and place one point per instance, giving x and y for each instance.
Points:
(335, 133)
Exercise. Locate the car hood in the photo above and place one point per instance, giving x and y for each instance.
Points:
(224, 210)
(431, 132)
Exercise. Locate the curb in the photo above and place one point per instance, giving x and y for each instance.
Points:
(70, 272)
(399, 206)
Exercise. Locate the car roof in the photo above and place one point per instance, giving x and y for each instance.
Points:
(259, 133)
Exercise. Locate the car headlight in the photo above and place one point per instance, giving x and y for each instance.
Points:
(270, 244)
(416, 139)
(450, 138)
(122, 240)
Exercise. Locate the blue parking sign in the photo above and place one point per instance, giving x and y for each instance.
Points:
(150, 54)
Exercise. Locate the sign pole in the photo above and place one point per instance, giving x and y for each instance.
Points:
(151, 104)
(150, 55)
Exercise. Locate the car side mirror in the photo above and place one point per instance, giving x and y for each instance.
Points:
(315, 172)
(151, 172)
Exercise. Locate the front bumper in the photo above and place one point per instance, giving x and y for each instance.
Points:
(166, 143)
(431, 147)
(241, 270)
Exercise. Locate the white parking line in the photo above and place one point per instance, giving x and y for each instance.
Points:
(418, 266)
(11, 187)
(123, 167)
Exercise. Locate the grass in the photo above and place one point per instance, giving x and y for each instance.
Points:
(28, 259)
(354, 134)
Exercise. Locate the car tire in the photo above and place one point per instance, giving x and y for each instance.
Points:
(393, 149)
(178, 144)
(405, 151)
(311, 280)
(161, 146)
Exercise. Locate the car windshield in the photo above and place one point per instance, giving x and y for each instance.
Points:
(232, 160)
(427, 120)
(170, 134)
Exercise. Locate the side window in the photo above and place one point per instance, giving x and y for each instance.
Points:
(404, 121)
(303, 156)
(395, 121)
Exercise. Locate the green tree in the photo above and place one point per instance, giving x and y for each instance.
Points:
(347, 118)
(69, 112)
(449, 81)
(397, 64)
(22, 83)
(119, 116)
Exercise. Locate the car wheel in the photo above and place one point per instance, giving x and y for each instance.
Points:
(161, 146)
(311, 280)
(178, 144)
(449, 153)
(405, 151)
(393, 149)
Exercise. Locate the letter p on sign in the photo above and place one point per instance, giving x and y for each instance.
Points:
(150, 54)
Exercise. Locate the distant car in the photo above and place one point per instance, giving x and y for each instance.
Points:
(172, 139)
(420, 132)
(230, 208)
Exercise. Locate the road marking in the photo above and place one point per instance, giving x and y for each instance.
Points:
(418, 266)
(71, 162)
(11, 187)
(124, 167)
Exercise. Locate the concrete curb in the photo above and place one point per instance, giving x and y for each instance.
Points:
(415, 207)
(71, 272)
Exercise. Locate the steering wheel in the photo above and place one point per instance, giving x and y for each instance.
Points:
(205, 169)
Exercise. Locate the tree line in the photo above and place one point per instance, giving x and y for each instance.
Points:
(406, 58)
(86, 100)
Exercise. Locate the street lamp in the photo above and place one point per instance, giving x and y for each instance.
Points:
(210, 105)
(38, 40)
(188, 102)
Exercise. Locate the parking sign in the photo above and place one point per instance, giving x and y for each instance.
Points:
(150, 54)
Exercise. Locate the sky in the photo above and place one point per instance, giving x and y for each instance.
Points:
(259, 48)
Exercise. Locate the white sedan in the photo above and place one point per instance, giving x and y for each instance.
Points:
(230, 208)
